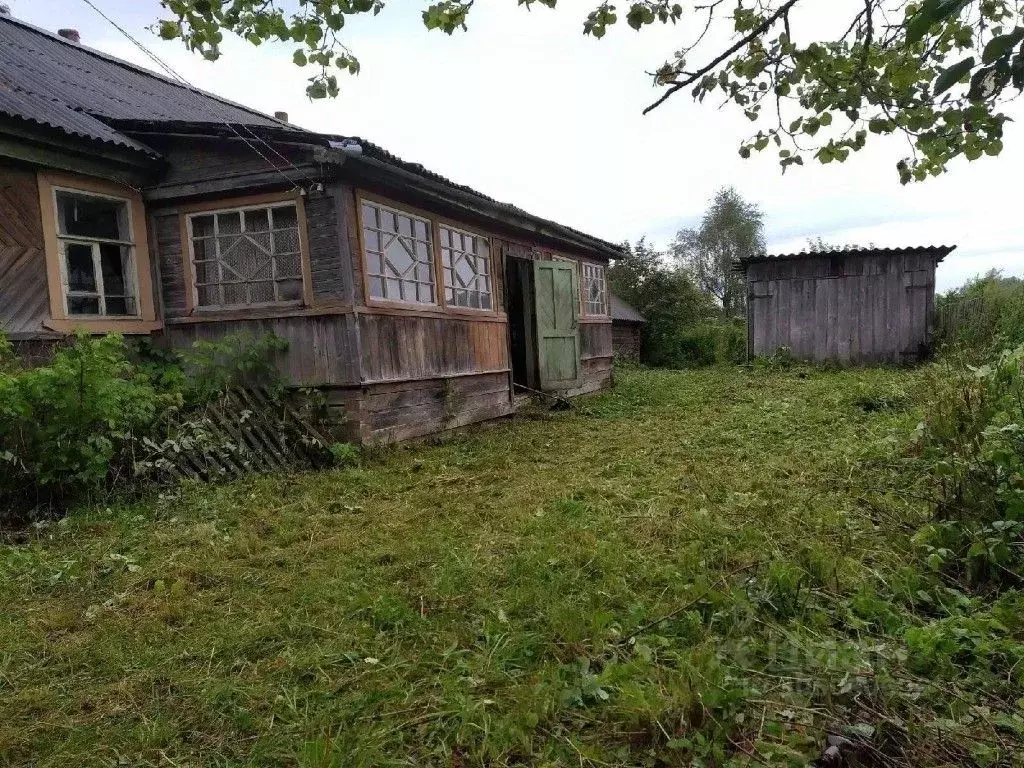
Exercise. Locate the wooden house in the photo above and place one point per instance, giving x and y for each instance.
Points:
(852, 305)
(133, 203)
(627, 330)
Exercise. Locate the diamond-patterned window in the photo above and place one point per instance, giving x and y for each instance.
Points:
(466, 261)
(595, 292)
(247, 256)
(398, 253)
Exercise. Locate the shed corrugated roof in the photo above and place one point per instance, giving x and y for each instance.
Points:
(624, 312)
(938, 251)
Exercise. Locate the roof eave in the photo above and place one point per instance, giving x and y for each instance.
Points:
(479, 205)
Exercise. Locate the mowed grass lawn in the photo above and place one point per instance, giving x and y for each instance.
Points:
(493, 599)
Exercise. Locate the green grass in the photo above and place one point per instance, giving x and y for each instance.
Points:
(493, 599)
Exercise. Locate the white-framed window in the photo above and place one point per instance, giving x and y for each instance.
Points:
(398, 255)
(250, 255)
(97, 254)
(466, 263)
(595, 292)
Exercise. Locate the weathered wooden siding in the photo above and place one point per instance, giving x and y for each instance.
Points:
(852, 308)
(24, 297)
(321, 349)
(398, 347)
(595, 357)
(197, 159)
(406, 409)
(627, 340)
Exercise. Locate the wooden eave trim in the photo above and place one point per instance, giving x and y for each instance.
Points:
(231, 183)
(420, 186)
(595, 320)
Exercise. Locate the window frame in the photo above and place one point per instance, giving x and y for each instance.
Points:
(63, 241)
(240, 204)
(410, 212)
(440, 305)
(490, 267)
(144, 320)
(585, 290)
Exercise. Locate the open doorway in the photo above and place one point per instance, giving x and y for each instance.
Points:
(521, 308)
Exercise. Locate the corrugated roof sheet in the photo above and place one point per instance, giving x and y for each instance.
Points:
(38, 62)
(625, 312)
(938, 251)
(53, 114)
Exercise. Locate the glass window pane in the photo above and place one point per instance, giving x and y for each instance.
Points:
(202, 226)
(81, 305)
(88, 216)
(286, 217)
(119, 305)
(116, 272)
(371, 239)
(289, 290)
(257, 221)
(377, 287)
(229, 223)
(370, 216)
(80, 269)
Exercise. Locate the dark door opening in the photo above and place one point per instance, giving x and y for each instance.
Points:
(520, 305)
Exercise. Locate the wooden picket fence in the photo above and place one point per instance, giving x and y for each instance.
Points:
(243, 431)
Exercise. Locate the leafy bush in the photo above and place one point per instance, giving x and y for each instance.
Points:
(82, 423)
(983, 316)
(972, 449)
(62, 426)
(710, 344)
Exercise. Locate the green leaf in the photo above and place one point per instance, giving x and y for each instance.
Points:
(953, 75)
(999, 46)
(931, 12)
(299, 57)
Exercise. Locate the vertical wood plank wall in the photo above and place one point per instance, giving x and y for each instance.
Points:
(851, 309)
(24, 297)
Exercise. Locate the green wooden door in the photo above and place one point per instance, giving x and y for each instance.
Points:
(558, 340)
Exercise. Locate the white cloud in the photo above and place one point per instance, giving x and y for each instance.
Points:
(527, 109)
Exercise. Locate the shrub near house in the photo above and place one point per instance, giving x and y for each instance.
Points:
(97, 414)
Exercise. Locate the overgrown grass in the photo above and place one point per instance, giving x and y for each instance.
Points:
(700, 568)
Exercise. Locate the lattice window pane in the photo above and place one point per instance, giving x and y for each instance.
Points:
(595, 291)
(247, 256)
(398, 254)
(465, 259)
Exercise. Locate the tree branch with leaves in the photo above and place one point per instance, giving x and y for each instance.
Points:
(937, 72)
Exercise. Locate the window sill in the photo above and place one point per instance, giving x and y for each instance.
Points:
(259, 313)
(129, 325)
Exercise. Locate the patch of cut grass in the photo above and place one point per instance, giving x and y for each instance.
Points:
(493, 600)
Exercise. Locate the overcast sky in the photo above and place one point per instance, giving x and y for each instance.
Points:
(526, 109)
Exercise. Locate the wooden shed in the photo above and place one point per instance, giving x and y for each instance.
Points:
(627, 329)
(853, 305)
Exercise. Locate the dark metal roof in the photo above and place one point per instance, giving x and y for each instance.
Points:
(34, 62)
(625, 312)
(50, 113)
(938, 251)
